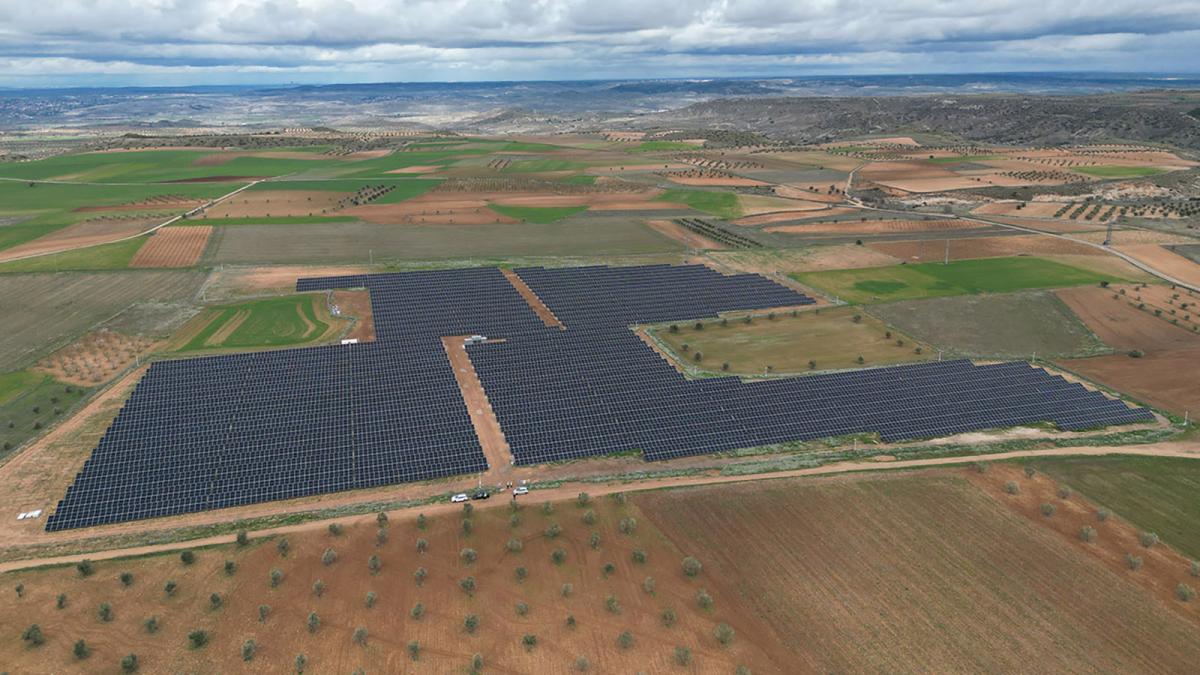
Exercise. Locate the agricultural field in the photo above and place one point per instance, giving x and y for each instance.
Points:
(272, 322)
(29, 402)
(894, 572)
(1008, 325)
(825, 339)
(68, 304)
(589, 584)
(173, 247)
(906, 282)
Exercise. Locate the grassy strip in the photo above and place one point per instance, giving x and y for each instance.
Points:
(1118, 171)
(271, 322)
(663, 146)
(273, 220)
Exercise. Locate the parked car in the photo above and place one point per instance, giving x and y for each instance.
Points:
(481, 494)
(520, 490)
(460, 497)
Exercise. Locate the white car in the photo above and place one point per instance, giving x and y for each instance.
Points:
(460, 497)
(520, 491)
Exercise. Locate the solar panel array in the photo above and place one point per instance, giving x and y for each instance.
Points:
(222, 431)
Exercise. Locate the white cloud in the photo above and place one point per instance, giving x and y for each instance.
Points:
(264, 40)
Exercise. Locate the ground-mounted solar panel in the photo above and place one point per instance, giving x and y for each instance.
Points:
(230, 430)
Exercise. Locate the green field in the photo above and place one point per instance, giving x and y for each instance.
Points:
(963, 159)
(534, 214)
(273, 322)
(95, 258)
(929, 280)
(155, 166)
(1010, 325)
(720, 204)
(29, 402)
(1157, 494)
(1118, 171)
(540, 165)
(271, 220)
(831, 338)
(46, 207)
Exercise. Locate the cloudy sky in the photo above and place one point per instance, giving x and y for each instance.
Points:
(165, 42)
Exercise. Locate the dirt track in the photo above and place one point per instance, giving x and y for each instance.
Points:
(1188, 450)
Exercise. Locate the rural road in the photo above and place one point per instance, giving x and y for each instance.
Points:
(1188, 450)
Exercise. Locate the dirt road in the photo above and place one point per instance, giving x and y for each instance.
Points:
(1185, 450)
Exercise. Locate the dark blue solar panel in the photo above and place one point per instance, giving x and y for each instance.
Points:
(230, 430)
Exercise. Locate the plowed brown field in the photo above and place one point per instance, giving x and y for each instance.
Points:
(446, 647)
(173, 247)
(983, 247)
(909, 573)
(87, 233)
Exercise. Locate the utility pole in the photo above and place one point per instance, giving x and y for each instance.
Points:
(947, 259)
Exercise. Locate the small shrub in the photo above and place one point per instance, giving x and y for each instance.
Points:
(471, 623)
(419, 575)
(589, 517)
(421, 522)
(467, 585)
(360, 636)
(1148, 539)
(639, 556)
(1030, 472)
(467, 509)
(61, 601)
(417, 612)
(374, 564)
(981, 467)
(559, 556)
(1064, 492)
(1102, 515)
(125, 577)
(33, 636)
(547, 508)
(703, 599)
(230, 568)
(691, 566)
(468, 556)
(683, 656)
(521, 574)
(567, 590)
(105, 612)
(1087, 534)
(529, 641)
(80, 650)
(724, 633)
(313, 622)
(608, 569)
(198, 638)
(514, 521)
(381, 519)
(594, 541)
(414, 649)
(668, 617)
(263, 612)
(318, 588)
(612, 604)
(1185, 593)
(422, 545)
(300, 662)
(276, 577)
(1048, 509)
(129, 663)
(467, 526)
(282, 546)
(381, 537)
(1195, 569)
(648, 585)
(515, 545)
(1134, 562)
(85, 568)
(328, 557)
(249, 648)
(628, 525)
(571, 621)
(243, 539)
(582, 664)
(215, 601)
(1012, 488)
(187, 557)
(553, 531)
(335, 529)
(370, 599)
(625, 640)
(151, 625)
(522, 609)
(583, 499)
(477, 663)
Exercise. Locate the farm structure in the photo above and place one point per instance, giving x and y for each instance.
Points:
(299, 422)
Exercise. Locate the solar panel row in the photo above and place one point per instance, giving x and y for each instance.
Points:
(223, 431)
